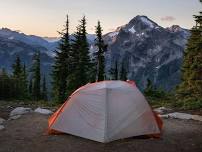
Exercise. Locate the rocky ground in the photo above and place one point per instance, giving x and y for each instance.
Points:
(28, 134)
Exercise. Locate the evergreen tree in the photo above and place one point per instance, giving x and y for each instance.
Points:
(99, 56)
(44, 89)
(153, 92)
(80, 63)
(5, 85)
(114, 71)
(24, 85)
(17, 67)
(149, 88)
(123, 73)
(84, 57)
(61, 67)
(36, 74)
(17, 78)
(30, 87)
(191, 86)
(74, 78)
(14, 86)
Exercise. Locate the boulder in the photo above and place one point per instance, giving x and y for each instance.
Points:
(15, 117)
(2, 127)
(162, 110)
(197, 117)
(43, 111)
(2, 121)
(20, 111)
(184, 116)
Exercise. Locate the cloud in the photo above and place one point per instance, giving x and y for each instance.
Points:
(168, 18)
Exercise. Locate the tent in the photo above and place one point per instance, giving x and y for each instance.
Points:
(105, 111)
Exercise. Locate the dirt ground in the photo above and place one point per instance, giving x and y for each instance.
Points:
(27, 134)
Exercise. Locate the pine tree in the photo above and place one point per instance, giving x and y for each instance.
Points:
(74, 78)
(44, 89)
(61, 67)
(24, 85)
(5, 85)
(30, 87)
(149, 88)
(114, 71)
(17, 67)
(80, 63)
(17, 78)
(84, 57)
(36, 74)
(123, 73)
(191, 86)
(99, 55)
(153, 92)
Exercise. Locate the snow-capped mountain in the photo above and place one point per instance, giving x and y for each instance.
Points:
(148, 51)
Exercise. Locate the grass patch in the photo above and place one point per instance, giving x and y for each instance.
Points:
(170, 101)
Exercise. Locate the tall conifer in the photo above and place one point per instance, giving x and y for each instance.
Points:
(24, 85)
(61, 66)
(123, 72)
(44, 90)
(99, 55)
(190, 89)
(17, 78)
(114, 71)
(36, 75)
(80, 63)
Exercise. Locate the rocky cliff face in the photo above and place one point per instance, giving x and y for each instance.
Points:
(148, 51)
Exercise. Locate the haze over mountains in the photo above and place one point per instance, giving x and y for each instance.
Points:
(146, 49)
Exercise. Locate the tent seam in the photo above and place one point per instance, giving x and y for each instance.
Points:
(106, 116)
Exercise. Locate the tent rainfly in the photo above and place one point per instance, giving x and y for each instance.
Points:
(106, 111)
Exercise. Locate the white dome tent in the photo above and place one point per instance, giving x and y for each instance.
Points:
(105, 111)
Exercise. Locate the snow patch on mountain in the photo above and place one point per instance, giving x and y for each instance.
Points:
(149, 52)
(147, 21)
(132, 30)
(51, 39)
(11, 38)
(113, 34)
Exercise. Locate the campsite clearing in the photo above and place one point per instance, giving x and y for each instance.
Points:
(28, 134)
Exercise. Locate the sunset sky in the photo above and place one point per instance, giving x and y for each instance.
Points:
(46, 17)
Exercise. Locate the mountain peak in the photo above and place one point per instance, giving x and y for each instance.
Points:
(144, 20)
(5, 29)
(174, 28)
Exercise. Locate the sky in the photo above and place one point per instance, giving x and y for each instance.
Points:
(46, 17)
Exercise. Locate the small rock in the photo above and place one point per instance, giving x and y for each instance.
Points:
(43, 111)
(2, 127)
(161, 110)
(9, 107)
(179, 115)
(14, 117)
(164, 116)
(19, 111)
(2, 121)
(184, 116)
(197, 117)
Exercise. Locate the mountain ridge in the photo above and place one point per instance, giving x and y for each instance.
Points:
(149, 50)
(145, 46)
